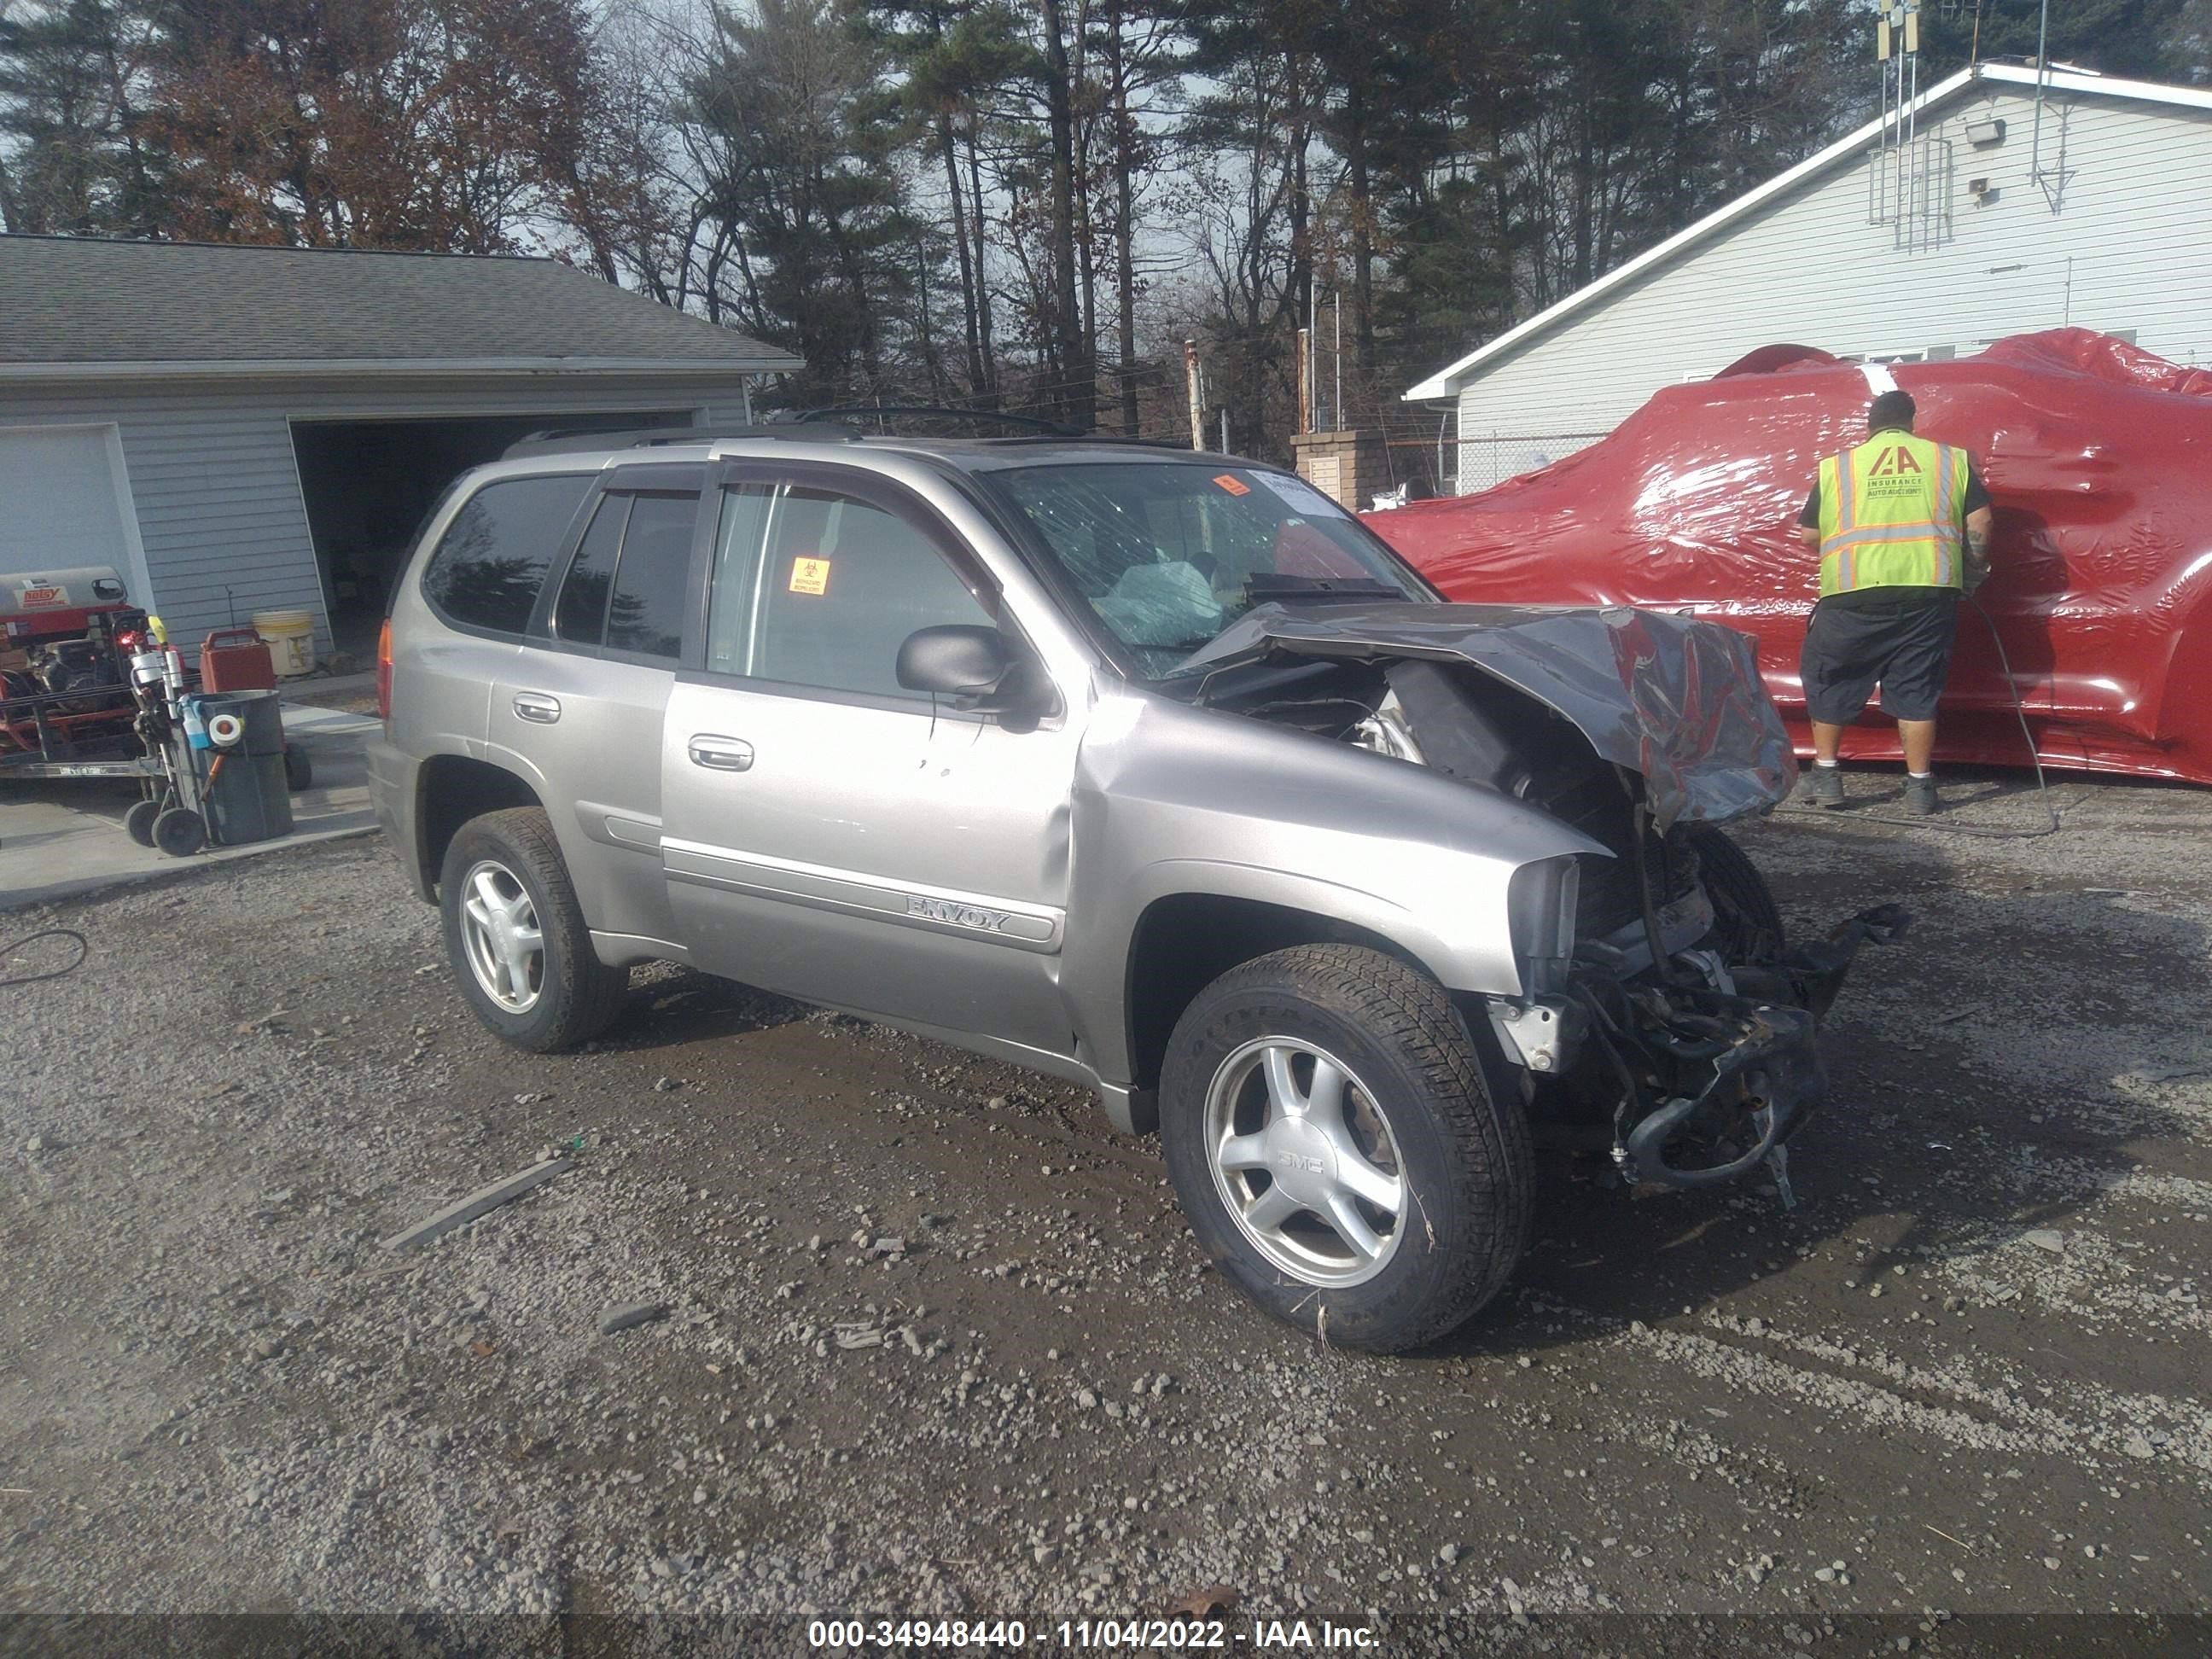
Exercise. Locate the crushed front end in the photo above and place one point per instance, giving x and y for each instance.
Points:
(1680, 1042)
(1663, 1022)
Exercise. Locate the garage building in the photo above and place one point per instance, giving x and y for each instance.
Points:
(240, 428)
(2004, 201)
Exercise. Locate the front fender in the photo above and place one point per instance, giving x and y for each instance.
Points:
(1171, 800)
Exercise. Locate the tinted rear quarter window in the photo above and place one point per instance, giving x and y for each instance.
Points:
(492, 560)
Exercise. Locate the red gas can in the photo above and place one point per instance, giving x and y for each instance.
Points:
(235, 659)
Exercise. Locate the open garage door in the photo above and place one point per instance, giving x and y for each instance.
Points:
(368, 483)
(66, 504)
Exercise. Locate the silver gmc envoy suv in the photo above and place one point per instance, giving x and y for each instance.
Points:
(1150, 770)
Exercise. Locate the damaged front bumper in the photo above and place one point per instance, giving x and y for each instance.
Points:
(1711, 1066)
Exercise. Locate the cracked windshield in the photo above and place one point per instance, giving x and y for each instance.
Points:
(1167, 555)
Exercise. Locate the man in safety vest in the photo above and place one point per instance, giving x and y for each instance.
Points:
(1902, 526)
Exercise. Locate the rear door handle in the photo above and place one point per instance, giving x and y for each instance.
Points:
(721, 754)
(536, 707)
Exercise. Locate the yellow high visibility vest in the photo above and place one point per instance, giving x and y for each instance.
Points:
(1892, 514)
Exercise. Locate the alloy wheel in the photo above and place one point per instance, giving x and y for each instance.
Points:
(1304, 1159)
(501, 938)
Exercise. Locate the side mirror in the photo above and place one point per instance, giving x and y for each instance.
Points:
(955, 660)
(979, 669)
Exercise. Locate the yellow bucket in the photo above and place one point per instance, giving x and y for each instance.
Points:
(290, 637)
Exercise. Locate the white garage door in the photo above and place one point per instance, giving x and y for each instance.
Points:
(62, 504)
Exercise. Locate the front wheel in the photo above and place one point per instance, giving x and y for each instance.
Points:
(1330, 1136)
(517, 936)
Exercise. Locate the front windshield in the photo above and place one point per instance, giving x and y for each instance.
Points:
(1167, 554)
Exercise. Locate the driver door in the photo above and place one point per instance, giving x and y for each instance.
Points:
(830, 835)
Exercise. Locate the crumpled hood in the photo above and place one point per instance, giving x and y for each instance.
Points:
(1673, 698)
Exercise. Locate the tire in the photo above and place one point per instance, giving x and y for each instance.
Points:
(1747, 922)
(299, 770)
(139, 822)
(178, 831)
(1417, 1107)
(564, 995)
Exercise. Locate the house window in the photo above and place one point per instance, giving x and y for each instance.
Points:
(1939, 354)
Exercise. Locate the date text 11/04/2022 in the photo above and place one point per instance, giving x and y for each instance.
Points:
(1172, 1635)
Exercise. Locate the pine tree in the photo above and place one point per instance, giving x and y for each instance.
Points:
(70, 90)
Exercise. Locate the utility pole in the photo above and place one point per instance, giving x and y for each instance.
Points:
(1305, 379)
(1197, 402)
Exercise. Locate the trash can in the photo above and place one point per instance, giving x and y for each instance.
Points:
(243, 778)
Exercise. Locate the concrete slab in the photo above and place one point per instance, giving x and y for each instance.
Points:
(58, 839)
(328, 688)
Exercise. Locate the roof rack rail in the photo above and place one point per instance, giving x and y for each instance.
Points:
(1182, 446)
(571, 440)
(1035, 423)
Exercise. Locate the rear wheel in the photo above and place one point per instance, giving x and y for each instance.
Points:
(1747, 922)
(139, 822)
(517, 937)
(299, 770)
(1328, 1132)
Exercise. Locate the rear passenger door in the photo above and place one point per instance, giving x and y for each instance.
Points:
(587, 694)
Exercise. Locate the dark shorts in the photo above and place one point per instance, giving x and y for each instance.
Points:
(1850, 649)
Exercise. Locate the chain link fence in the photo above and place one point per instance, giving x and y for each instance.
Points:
(1481, 459)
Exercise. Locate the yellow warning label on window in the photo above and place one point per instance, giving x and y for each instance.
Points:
(810, 576)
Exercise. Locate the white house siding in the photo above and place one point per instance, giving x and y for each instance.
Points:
(2135, 220)
(213, 483)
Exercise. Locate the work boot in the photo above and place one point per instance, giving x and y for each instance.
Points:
(1820, 786)
(1920, 796)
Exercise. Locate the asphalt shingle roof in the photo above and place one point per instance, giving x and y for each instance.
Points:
(67, 300)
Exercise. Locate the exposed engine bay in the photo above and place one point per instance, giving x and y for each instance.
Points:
(1664, 1021)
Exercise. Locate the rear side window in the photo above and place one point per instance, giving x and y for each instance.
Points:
(625, 587)
(492, 560)
(646, 614)
(580, 616)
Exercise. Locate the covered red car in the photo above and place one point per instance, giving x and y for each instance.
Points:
(2098, 457)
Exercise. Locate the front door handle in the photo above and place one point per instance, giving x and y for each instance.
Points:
(536, 707)
(721, 754)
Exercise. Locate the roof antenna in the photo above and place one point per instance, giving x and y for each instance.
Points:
(1900, 191)
(2052, 179)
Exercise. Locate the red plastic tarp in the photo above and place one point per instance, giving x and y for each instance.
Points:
(2098, 457)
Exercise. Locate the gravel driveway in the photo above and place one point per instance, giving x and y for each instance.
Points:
(934, 1341)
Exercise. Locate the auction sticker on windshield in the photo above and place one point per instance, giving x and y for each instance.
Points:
(1233, 484)
(1301, 496)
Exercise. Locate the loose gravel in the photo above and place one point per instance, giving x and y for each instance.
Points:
(827, 1318)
